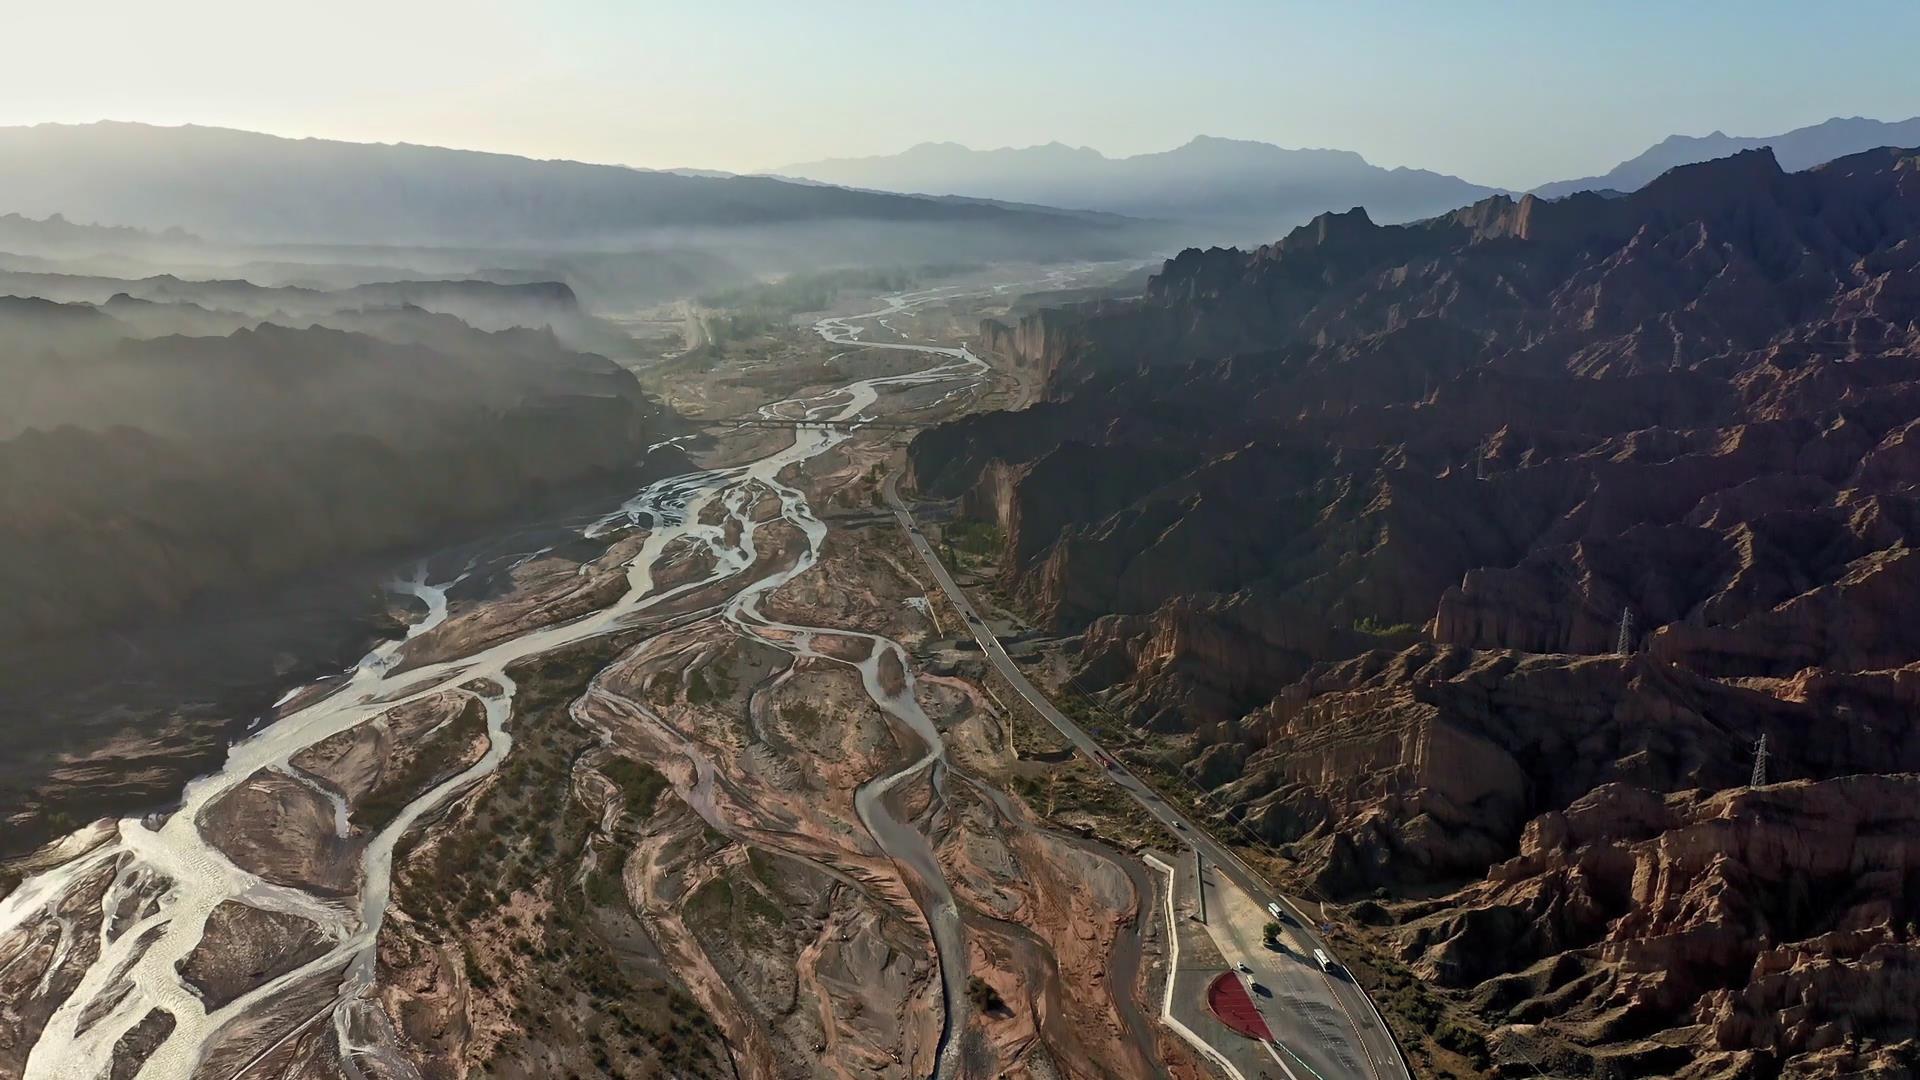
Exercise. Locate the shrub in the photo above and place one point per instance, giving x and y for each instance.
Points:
(1462, 1040)
(983, 996)
(640, 784)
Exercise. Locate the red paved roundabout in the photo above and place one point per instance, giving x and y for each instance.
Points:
(1227, 998)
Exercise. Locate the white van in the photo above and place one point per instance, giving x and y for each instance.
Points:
(1326, 962)
(1273, 910)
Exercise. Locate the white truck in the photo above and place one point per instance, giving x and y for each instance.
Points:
(1273, 910)
(1326, 962)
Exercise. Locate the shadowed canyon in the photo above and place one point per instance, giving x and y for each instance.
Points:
(1472, 560)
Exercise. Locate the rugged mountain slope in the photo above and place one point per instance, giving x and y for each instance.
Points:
(1801, 148)
(240, 186)
(140, 471)
(1368, 514)
(198, 490)
(1228, 182)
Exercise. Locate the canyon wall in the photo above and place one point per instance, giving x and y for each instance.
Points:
(1472, 557)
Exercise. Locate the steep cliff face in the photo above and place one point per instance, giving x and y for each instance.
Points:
(1588, 860)
(1039, 341)
(1516, 424)
(1370, 513)
(1772, 925)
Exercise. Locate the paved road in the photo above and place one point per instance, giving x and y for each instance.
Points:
(1310, 1025)
(1379, 1058)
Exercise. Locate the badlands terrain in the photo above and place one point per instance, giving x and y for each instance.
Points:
(1534, 581)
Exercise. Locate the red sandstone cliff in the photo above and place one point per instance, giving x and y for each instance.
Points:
(1363, 512)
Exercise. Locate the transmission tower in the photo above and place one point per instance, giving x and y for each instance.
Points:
(1760, 761)
(1624, 645)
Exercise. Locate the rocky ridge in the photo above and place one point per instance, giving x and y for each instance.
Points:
(1368, 514)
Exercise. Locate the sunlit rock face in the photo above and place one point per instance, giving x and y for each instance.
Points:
(1372, 511)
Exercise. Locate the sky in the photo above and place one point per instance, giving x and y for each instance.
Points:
(1502, 93)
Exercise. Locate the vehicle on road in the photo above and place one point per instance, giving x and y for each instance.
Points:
(1179, 824)
(1244, 969)
(1261, 989)
(1326, 962)
(1274, 910)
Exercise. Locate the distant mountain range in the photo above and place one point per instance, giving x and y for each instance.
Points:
(1262, 189)
(1046, 201)
(1801, 148)
(1225, 182)
(240, 186)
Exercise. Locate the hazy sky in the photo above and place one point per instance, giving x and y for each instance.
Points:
(1512, 94)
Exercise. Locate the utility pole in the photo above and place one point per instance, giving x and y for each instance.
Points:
(1200, 881)
(1625, 645)
(1760, 761)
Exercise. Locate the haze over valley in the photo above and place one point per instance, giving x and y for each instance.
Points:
(501, 583)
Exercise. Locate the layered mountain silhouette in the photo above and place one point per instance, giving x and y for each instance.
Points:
(229, 435)
(1260, 189)
(237, 186)
(241, 186)
(1801, 148)
(1230, 182)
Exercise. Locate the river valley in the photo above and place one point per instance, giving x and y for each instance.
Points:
(752, 799)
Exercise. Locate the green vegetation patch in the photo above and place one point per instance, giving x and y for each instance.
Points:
(640, 784)
(1423, 1020)
(742, 914)
(710, 684)
(979, 539)
(526, 833)
(983, 996)
(433, 762)
(803, 718)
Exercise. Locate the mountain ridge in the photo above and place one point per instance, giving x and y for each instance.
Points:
(1242, 187)
(240, 186)
(1797, 149)
(1465, 561)
(928, 167)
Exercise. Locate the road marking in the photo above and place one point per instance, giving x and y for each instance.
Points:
(1173, 970)
(1278, 1060)
(1360, 1036)
(1296, 1057)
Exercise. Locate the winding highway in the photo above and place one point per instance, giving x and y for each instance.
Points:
(1307, 1045)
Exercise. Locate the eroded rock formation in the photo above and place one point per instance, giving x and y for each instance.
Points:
(1369, 513)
